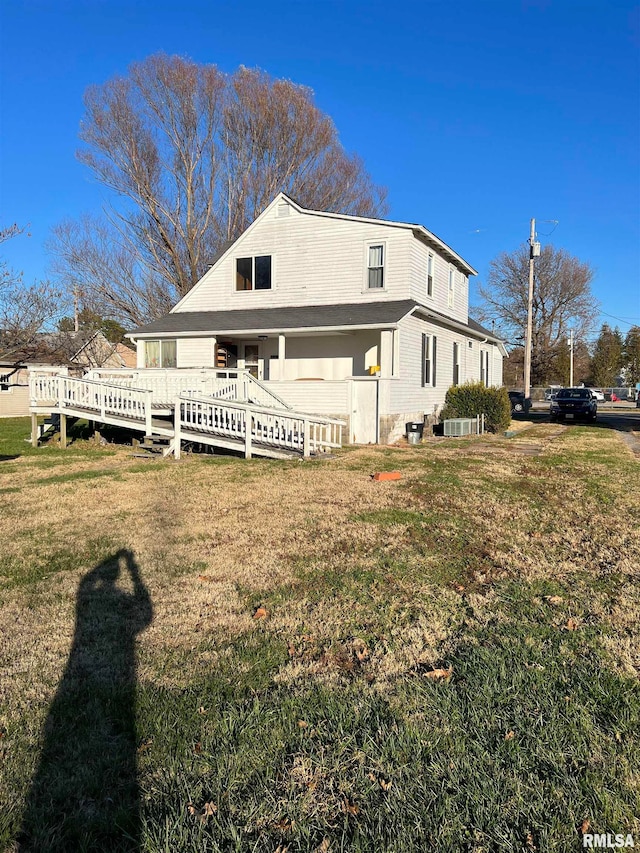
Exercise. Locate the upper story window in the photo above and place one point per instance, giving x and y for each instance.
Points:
(160, 354)
(430, 263)
(375, 279)
(452, 285)
(253, 273)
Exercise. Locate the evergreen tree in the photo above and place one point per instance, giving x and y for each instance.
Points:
(607, 357)
(631, 355)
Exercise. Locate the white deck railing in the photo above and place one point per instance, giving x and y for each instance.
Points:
(246, 422)
(43, 388)
(168, 384)
(89, 396)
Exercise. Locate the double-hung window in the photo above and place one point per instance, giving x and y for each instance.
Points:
(452, 285)
(484, 367)
(429, 347)
(456, 364)
(160, 354)
(375, 273)
(430, 263)
(253, 273)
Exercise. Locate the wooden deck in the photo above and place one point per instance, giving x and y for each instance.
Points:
(255, 430)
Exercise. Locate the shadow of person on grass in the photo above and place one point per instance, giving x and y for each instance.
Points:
(84, 796)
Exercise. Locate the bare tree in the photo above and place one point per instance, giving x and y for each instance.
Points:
(24, 310)
(562, 300)
(192, 156)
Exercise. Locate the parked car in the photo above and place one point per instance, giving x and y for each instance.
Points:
(573, 403)
(519, 403)
(551, 392)
(597, 394)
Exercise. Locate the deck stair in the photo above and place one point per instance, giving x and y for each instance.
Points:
(49, 427)
(154, 446)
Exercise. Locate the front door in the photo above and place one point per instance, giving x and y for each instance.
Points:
(364, 411)
(251, 359)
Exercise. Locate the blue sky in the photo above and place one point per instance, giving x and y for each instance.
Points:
(477, 116)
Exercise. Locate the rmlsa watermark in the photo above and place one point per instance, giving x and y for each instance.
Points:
(604, 840)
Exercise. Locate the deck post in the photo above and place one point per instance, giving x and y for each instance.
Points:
(148, 424)
(248, 420)
(63, 430)
(177, 415)
(34, 429)
(305, 440)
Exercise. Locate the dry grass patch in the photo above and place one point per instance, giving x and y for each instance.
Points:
(288, 592)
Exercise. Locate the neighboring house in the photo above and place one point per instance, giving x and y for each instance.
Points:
(357, 318)
(87, 350)
(57, 352)
(15, 369)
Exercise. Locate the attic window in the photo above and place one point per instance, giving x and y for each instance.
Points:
(284, 209)
(253, 273)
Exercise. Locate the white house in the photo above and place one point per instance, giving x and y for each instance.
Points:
(355, 318)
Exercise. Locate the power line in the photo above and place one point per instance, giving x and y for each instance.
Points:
(630, 321)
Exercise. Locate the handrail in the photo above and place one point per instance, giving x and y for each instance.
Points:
(232, 383)
(251, 380)
(299, 432)
(268, 410)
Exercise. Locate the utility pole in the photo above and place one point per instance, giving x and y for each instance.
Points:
(534, 252)
(571, 358)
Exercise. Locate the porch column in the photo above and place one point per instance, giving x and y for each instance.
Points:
(386, 353)
(281, 356)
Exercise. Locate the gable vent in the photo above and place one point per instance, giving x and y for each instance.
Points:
(283, 209)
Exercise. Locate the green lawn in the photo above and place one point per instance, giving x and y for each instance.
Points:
(222, 655)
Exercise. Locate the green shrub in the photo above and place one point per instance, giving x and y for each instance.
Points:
(473, 398)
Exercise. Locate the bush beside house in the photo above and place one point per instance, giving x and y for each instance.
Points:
(474, 398)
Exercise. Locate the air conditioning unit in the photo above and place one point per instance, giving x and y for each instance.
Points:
(459, 426)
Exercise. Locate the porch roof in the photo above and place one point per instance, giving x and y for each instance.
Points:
(358, 315)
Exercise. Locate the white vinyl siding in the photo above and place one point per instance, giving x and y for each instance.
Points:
(315, 261)
(196, 352)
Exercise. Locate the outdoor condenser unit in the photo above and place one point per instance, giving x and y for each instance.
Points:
(459, 426)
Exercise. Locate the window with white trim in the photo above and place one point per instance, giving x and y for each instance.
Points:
(375, 267)
(484, 367)
(160, 353)
(429, 348)
(430, 266)
(253, 273)
(452, 285)
(456, 364)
